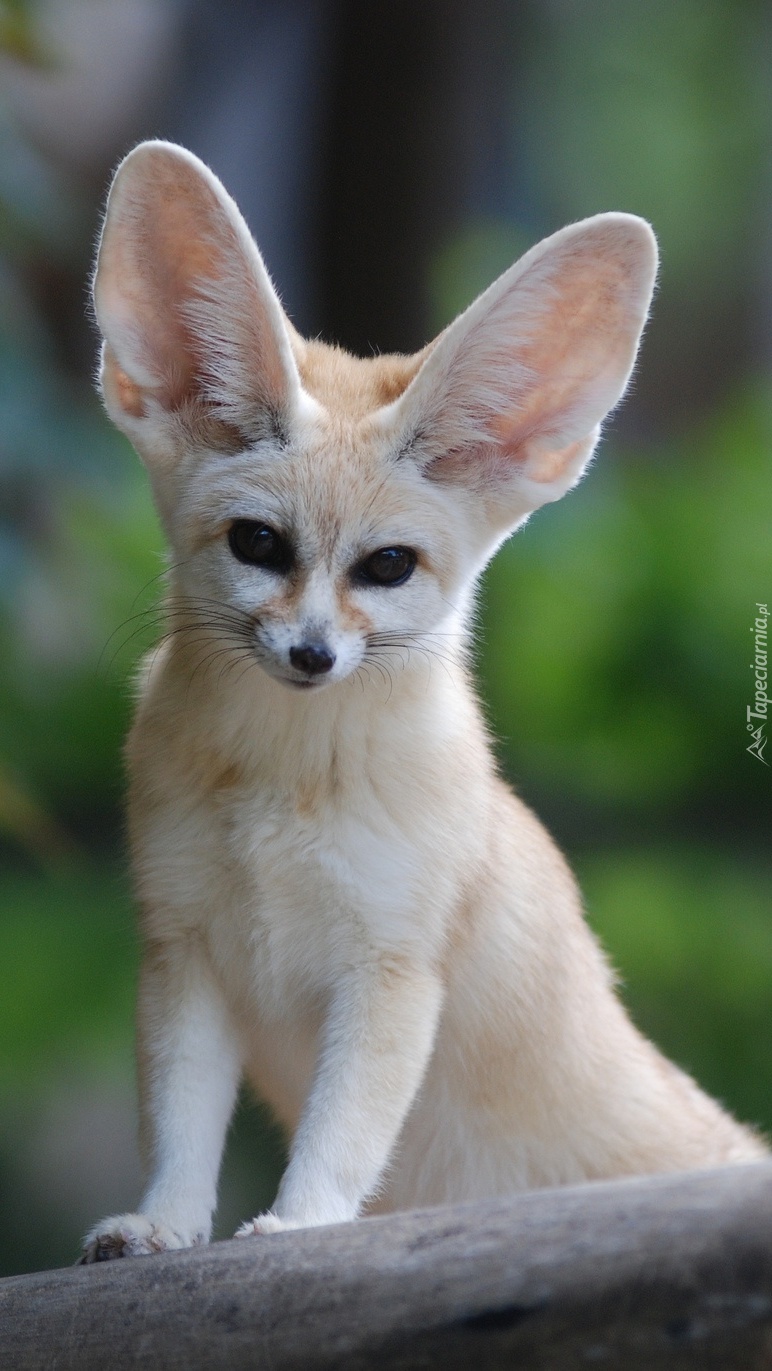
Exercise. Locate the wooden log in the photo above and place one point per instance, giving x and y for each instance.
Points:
(664, 1272)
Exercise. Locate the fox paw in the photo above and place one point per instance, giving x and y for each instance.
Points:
(265, 1223)
(132, 1235)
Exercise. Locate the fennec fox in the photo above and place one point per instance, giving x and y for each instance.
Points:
(341, 900)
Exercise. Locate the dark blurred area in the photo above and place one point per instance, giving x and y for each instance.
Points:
(392, 158)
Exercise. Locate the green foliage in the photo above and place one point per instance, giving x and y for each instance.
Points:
(615, 645)
(67, 949)
(658, 109)
(689, 930)
(467, 264)
(85, 585)
(18, 37)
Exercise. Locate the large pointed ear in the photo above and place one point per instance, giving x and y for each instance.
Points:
(196, 344)
(510, 399)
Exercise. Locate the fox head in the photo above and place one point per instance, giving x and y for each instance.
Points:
(322, 508)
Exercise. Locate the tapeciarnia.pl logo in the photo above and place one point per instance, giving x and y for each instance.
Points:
(758, 710)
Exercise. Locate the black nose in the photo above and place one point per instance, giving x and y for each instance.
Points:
(312, 658)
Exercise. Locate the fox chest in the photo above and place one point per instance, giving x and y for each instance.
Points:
(286, 901)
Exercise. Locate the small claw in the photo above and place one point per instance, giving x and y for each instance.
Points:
(132, 1235)
(263, 1224)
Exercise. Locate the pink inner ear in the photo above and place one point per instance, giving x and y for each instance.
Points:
(547, 466)
(182, 296)
(128, 395)
(571, 354)
(510, 399)
(148, 259)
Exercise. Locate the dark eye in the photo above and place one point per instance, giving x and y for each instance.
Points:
(259, 545)
(389, 566)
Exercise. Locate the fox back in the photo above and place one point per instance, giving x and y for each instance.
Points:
(340, 899)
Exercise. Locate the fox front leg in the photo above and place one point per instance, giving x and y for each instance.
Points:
(377, 1041)
(189, 1068)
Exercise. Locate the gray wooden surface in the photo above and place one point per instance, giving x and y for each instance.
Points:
(666, 1272)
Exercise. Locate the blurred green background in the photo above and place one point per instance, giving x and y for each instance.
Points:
(614, 644)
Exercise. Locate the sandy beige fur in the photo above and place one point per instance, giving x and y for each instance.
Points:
(340, 899)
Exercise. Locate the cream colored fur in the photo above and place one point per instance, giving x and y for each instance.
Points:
(340, 899)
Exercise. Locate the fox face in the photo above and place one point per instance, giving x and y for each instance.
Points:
(328, 516)
(328, 551)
